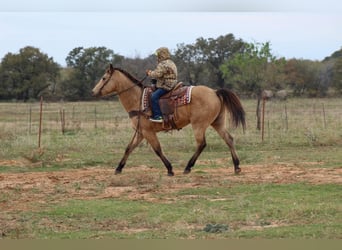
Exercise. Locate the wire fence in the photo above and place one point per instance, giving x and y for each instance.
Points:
(302, 119)
(294, 119)
(24, 118)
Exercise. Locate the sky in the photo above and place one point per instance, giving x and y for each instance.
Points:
(303, 29)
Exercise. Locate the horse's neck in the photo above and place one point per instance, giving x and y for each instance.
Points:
(130, 95)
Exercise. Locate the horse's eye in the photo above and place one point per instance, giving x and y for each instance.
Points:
(104, 78)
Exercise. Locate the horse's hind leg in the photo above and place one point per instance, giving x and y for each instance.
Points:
(131, 146)
(219, 127)
(201, 144)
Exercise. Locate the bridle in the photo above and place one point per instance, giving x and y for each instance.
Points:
(140, 84)
(133, 113)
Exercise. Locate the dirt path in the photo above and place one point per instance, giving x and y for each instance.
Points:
(36, 190)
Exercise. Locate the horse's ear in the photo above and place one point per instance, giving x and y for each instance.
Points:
(111, 68)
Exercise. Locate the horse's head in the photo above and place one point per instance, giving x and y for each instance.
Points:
(106, 85)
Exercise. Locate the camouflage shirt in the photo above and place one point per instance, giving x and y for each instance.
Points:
(166, 70)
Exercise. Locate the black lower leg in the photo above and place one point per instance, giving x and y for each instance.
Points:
(122, 163)
(236, 162)
(169, 169)
(119, 168)
(193, 159)
(166, 162)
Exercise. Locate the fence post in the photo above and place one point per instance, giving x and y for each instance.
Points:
(263, 118)
(40, 121)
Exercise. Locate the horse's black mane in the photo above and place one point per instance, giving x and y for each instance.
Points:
(135, 80)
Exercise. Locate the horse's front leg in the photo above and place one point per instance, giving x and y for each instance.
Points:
(154, 142)
(131, 146)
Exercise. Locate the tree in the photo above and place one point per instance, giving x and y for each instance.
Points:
(88, 65)
(216, 52)
(251, 71)
(306, 77)
(137, 66)
(200, 62)
(337, 75)
(334, 70)
(190, 68)
(26, 75)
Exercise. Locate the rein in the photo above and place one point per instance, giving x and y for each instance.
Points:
(133, 113)
(140, 84)
(122, 91)
(135, 85)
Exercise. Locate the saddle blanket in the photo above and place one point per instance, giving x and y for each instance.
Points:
(179, 100)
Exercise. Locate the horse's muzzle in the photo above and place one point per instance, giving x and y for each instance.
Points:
(95, 93)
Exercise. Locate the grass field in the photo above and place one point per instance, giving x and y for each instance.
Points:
(290, 185)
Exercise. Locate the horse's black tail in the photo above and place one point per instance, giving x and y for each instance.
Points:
(234, 106)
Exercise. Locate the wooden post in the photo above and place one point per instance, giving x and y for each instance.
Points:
(258, 114)
(263, 119)
(40, 121)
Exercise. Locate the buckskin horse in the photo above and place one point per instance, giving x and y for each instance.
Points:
(207, 108)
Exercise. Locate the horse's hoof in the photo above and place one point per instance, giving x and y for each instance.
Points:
(237, 170)
(187, 171)
(117, 171)
(170, 174)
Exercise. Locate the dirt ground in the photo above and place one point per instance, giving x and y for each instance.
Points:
(36, 190)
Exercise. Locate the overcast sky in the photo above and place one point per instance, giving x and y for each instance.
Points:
(305, 29)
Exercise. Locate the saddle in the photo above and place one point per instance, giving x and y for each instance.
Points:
(178, 96)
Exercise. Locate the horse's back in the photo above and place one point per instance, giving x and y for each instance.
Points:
(205, 97)
(205, 104)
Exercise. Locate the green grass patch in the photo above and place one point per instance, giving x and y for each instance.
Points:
(293, 211)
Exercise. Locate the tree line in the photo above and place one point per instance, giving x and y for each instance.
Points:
(225, 61)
